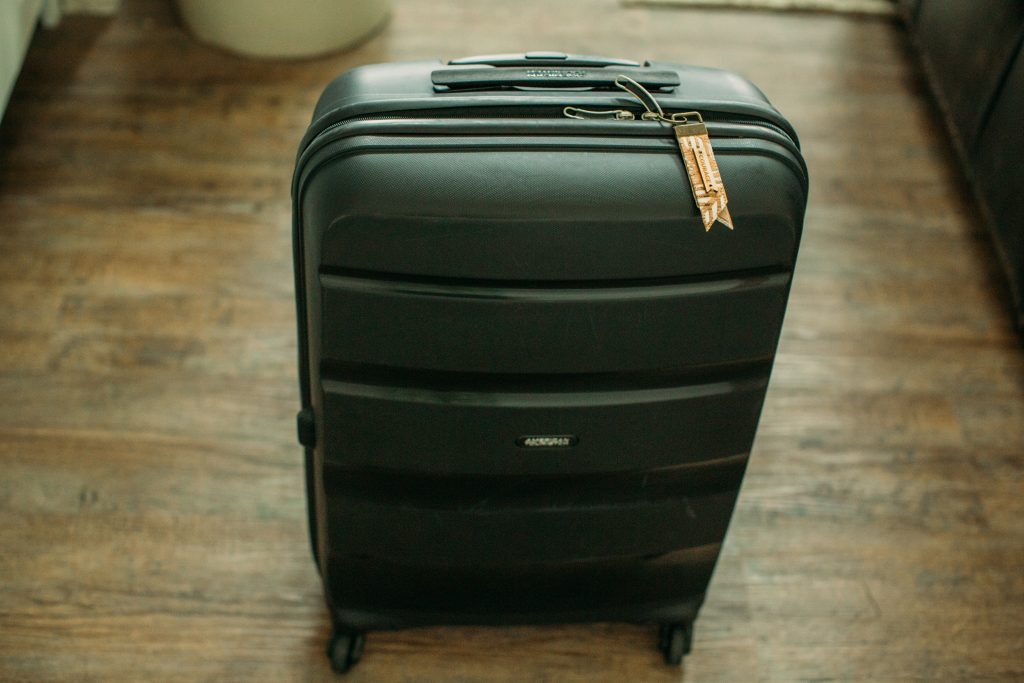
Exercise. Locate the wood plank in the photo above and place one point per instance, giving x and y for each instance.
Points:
(152, 512)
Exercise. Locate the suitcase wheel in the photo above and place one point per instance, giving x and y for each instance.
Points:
(345, 649)
(674, 640)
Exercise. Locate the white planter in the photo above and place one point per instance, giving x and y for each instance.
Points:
(278, 28)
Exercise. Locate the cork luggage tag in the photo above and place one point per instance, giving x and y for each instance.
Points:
(698, 156)
(702, 169)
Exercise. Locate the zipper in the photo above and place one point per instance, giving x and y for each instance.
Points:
(592, 114)
(581, 113)
(653, 111)
(612, 115)
(622, 114)
(709, 117)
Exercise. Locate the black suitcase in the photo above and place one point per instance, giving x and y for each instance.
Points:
(531, 370)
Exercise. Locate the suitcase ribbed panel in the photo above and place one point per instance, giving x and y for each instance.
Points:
(539, 249)
(384, 529)
(371, 593)
(519, 526)
(622, 211)
(529, 330)
(474, 432)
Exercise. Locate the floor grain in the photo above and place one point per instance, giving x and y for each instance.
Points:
(151, 504)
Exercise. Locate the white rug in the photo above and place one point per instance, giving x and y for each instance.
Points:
(875, 7)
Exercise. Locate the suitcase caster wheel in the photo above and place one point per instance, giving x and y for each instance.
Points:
(674, 640)
(345, 649)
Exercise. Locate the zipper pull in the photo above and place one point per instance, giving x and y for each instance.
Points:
(698, 156)
(618, 114)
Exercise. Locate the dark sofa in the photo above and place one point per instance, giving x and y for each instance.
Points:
(973, 59)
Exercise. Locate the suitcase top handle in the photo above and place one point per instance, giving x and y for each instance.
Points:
(541, 58)
(546, 70)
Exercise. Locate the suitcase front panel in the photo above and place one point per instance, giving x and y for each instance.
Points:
(542, 330)
(372, 593)
(461, 431)
(507, 522)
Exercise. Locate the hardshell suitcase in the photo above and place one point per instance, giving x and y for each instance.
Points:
(530, 373)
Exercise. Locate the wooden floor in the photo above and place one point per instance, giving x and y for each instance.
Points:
(151, 497)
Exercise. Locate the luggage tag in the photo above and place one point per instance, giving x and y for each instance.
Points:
(701, 167)
(694, 145)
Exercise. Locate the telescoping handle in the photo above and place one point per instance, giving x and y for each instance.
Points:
(546, 70)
